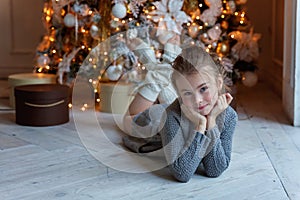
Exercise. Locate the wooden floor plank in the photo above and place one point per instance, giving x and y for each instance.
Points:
(52, 163)
(282, 147)
(7, 141)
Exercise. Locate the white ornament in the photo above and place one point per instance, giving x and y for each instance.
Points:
(193, 30)
(119, 10)
(43, 60)
(94, 31)
(114, 72)
(249, 79)
(69, 20)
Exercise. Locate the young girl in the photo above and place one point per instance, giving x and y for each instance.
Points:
(198, 127)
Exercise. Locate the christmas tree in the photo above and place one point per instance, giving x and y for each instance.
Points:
(71, 32)
(77, 33)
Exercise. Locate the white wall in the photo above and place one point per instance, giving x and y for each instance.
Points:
(296, 121)
(21, 30)
(291, 73)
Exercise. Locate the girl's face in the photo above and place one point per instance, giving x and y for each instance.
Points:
(198, 91)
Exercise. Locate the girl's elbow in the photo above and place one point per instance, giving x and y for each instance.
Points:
(213, 174)
(182, 179)
(180, 176)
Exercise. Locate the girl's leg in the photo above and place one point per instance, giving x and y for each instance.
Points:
(139, 104)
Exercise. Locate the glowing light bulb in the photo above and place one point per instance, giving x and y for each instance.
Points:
(48, 18)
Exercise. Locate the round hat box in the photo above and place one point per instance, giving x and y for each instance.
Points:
(28, 79)
(42, 104)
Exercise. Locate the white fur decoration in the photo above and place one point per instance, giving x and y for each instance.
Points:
(215, 32)
(169, 16)
(114, 72)
(64, 65)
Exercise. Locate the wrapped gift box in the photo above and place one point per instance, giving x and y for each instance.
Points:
(115, 97)
(28, 79)
(42, 104)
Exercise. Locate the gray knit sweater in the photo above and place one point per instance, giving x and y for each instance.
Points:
(186, 149)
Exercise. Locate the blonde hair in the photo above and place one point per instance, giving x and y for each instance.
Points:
(195, 60)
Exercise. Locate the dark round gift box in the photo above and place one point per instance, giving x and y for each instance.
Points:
(42, 104)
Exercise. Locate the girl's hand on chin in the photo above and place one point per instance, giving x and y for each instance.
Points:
(222, 103)
(195, 117)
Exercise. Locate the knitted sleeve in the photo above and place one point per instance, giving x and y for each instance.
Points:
(182, 153)
(218, 159)
(185, 148)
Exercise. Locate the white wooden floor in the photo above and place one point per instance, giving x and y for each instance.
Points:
(52, 163)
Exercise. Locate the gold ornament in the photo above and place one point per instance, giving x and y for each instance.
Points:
(223, 48)
(190, 6)
(193, 30)
(224, 25)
